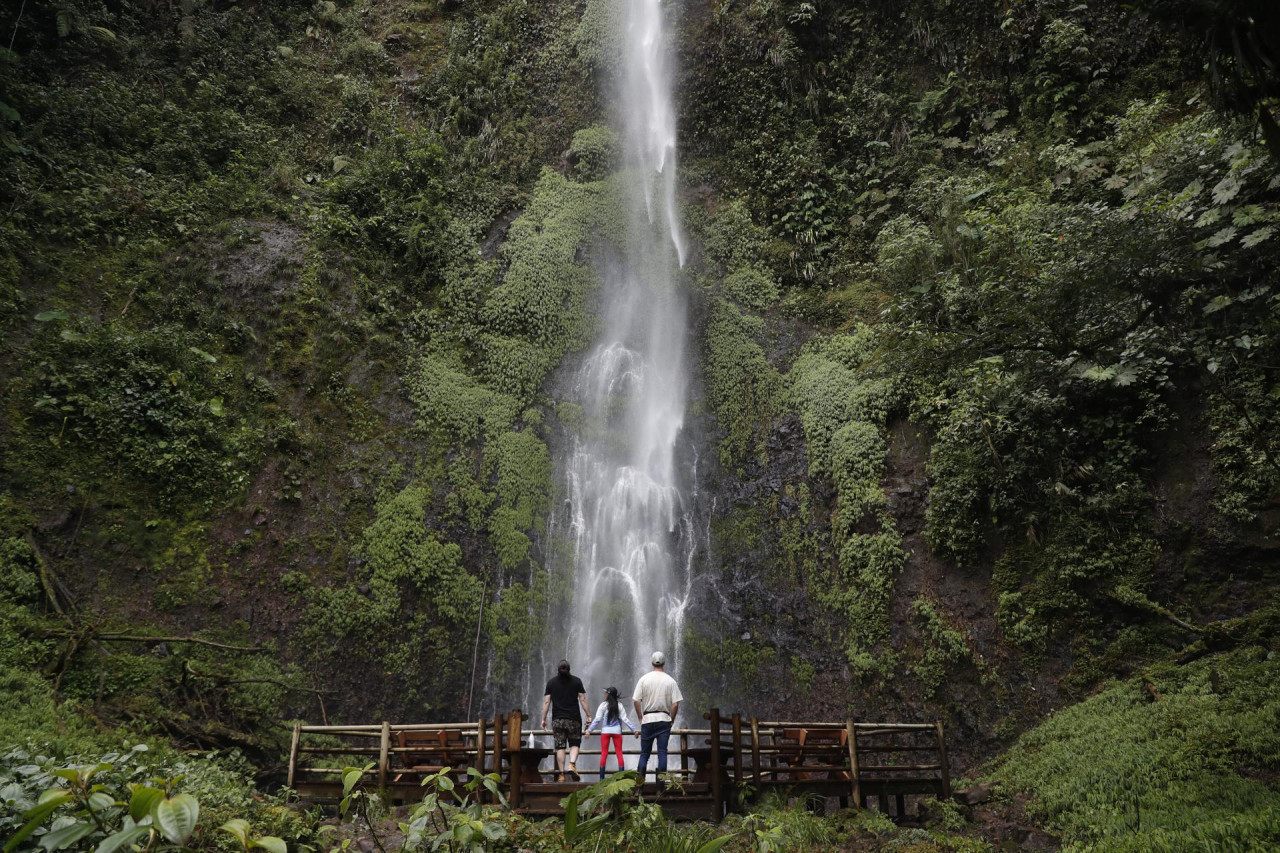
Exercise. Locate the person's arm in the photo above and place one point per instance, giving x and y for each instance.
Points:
(639, 711)
(592, 722)
(627, 720)
(675, 706)
(582, 700)
(546, 705)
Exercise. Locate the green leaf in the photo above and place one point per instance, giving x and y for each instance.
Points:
(209, 357)
(36, 816)
(1226, 189)
(215, 406)
(350, 777)
(271, 844)
(1223, 235)
(715, 844)
(1258, 236)
(59, 794)
(177, 817)
(101, 800)
(124, 837)
(143, 801)
(47, 316)
(239, 827)
(66, 836)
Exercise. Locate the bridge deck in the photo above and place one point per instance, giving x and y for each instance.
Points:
(731, 761)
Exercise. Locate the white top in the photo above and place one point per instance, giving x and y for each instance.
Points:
(601, 721)
(656, 692)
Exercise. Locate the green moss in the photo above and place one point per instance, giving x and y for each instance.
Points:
(594, 153)
(456, 405)
(743, 388)
(752, 287)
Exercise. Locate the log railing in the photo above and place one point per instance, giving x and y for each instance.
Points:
(731, 759)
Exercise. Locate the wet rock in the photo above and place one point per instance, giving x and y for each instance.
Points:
(975, 795)
(161, 650)
(259, 519)
(363, 589)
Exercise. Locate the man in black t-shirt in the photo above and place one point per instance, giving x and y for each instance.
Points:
(563, 690)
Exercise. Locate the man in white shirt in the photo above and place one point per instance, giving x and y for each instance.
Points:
(656, 698)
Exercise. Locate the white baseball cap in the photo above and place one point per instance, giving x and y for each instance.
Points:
(658, 659)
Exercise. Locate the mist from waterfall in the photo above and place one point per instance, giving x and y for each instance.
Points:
(630, 530)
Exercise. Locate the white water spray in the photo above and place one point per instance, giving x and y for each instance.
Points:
(630, 524)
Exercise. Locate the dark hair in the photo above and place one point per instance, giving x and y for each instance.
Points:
(611, 699)
(563, 667)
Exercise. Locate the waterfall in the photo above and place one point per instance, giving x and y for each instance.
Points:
(628, 516)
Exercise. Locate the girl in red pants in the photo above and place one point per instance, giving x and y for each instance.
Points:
(609, 717)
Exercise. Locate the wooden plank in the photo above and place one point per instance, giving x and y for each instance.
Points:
(854, 773)
(293, 752)
(384, 757)
(942, 760)
(913, 768)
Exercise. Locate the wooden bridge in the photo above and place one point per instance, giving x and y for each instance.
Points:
(727, 764)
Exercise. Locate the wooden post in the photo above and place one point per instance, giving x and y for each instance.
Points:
(498, 735)
(737, 749)
(942, 761)
(384, 756)
(293, 752)
(717, 793)
(684, 755)
(481, 793)
(852, 736)
(755, 752)
(513, 746)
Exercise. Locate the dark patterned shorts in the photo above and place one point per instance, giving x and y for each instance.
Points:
(567, 732)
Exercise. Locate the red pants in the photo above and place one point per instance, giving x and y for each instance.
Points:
(604, 749)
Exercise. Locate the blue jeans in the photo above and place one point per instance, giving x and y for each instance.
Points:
(649, 732)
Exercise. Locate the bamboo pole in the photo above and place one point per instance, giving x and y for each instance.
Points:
(293, 752)
(854, 771)
(384, 758)
(942, 760)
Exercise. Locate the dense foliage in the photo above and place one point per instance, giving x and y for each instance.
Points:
(986, 307)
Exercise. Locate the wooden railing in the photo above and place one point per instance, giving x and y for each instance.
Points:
(731, 759)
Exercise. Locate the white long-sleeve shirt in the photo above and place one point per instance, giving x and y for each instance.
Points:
(600, 721)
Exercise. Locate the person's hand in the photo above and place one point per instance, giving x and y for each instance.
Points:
(635, 734)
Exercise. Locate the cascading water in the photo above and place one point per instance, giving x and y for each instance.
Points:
(629, 521)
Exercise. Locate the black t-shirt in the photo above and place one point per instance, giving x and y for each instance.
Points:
(564, 692)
